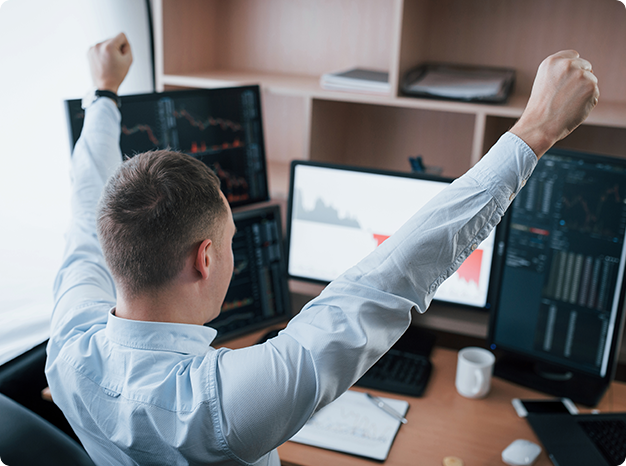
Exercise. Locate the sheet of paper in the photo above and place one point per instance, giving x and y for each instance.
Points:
(353, 424)
(458, 86)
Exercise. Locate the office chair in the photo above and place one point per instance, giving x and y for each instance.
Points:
(27, 439)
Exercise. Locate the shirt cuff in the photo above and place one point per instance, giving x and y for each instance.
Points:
(504, 170)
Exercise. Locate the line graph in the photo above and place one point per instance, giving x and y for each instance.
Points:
(201, 132)
(235, 187)
(202, 147)
(212, 125)
(322, 212)
(141, 128)
(224, 124)
(596, 209)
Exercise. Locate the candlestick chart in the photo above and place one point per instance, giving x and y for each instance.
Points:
(220, 127)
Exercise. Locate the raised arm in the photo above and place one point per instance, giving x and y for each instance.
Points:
(83, 274)
(358, 317)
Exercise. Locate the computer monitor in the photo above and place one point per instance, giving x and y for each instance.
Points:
(559, 312)
(221, 127)
(338, 214)
(258, 295)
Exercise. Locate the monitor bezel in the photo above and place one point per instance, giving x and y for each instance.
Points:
(377, 171)
(514, 355)
(186, 93)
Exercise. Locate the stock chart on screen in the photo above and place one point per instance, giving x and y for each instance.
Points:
(338, 215)
(220, 127)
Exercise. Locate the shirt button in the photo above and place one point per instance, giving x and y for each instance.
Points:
(511, 196)
(523, 183)
(474, 246)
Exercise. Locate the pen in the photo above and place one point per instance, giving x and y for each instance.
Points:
(386, 408)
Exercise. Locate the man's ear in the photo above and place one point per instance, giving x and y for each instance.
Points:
(203, 259)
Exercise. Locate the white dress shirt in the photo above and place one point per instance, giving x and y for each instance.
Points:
(157, 393)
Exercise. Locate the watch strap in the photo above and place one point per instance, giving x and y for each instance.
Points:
(110, 95)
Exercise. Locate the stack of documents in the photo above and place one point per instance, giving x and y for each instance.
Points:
(357, 79)
(459, 83)
(354, 424)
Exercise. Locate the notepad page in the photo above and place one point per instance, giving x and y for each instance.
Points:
(353, 424)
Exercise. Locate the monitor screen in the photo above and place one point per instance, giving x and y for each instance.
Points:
(338, 215)
(258, 294)
(221, 127)
(561, 285)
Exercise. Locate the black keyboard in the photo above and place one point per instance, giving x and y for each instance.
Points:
(399, 372)
(610, 438)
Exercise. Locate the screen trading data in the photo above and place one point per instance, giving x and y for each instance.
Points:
(340, 215)
(258, 294)
(220, 127)
(564, 263)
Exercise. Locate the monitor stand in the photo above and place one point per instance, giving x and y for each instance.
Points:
(580, 388)
(551, 372)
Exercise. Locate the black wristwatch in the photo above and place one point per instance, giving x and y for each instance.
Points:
(93, 95)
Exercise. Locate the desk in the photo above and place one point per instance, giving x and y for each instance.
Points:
(443, 423)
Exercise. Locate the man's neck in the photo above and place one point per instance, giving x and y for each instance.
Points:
(164, 305)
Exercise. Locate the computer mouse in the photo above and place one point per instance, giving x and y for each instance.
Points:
(521, 453)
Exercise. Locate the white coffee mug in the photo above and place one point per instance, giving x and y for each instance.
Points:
(473, 372)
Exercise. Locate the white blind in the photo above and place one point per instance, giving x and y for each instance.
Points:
(43, 47)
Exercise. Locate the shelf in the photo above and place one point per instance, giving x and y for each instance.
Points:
(279, 83)
(609, 114)
(309, 87)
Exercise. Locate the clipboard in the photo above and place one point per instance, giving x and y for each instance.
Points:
(353, 424)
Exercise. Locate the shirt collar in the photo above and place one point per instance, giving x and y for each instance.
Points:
(160, 336)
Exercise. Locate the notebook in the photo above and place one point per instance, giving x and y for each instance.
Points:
(353, 424)
(582, 439)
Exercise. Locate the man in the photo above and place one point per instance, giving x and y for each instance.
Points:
(129, 360)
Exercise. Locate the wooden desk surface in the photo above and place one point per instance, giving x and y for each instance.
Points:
(443, 423)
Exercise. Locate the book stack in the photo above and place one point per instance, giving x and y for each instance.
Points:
(357, 80)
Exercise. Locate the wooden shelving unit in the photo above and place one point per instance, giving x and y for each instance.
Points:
(286, 45)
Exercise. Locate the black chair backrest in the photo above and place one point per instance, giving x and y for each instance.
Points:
(27, 439)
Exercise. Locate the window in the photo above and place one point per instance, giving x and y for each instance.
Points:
(43, 47)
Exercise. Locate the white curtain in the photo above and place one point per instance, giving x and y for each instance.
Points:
(43, 46)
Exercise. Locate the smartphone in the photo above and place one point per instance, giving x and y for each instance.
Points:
(555, 405)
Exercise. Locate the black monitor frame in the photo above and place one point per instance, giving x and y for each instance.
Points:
(210, 155)
(280, 285)
(544, 374)
(495, 264)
